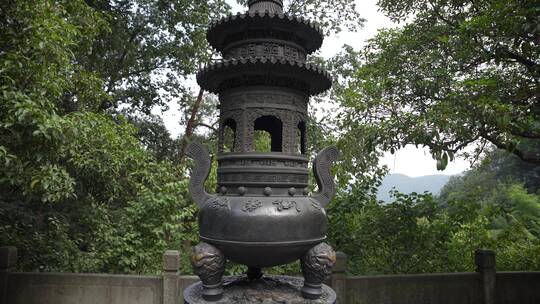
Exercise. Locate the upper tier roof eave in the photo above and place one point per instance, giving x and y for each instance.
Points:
(237, 23)
(315, 77)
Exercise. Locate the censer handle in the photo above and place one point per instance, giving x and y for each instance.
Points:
(323, 176)
(200, 155)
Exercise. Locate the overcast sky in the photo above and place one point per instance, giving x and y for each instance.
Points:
(410, 161)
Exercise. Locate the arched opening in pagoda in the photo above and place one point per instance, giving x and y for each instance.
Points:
(229, 135)
(301, 137)
(274, 129)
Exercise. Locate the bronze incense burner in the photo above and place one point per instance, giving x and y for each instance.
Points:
(263, 215)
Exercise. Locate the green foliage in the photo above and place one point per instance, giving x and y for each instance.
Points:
(262, 141)
(486, 208)
(414, 234)
(229, 139)
(406, 236)
(122, 211)
(155, 137)
(149, 50)
(78, 191)
(456, 73)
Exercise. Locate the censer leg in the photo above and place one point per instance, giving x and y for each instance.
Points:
(209, 264)
(316, 266)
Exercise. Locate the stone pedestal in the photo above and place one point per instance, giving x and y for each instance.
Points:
(266, 290)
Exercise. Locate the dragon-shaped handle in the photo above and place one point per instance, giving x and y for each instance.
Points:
(200, 155)
(321, 170)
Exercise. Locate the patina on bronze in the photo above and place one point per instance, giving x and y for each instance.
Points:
(263, 215)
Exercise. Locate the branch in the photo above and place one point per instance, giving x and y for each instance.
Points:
(120, 62)
(526, 134)
(190, 127)
(531, 65)
(526, 157)
(445, 146)
(294, 3)
(438, 13)
(142, 70)
(207, 126)
(464, 144)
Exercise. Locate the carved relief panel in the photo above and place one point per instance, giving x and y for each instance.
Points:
(263, 98)
(266, 49)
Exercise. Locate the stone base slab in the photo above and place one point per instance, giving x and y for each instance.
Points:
(267, 290)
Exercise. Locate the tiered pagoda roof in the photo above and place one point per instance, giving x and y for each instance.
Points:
(264, 47)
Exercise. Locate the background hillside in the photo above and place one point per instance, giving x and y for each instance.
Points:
(406, 184)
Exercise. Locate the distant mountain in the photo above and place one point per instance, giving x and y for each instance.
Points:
(406, 184)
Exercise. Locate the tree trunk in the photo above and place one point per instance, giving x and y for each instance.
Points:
(190, 127)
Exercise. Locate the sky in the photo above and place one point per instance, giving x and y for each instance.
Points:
(410, 160)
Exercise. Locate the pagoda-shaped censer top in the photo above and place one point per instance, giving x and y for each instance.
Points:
(263, 214)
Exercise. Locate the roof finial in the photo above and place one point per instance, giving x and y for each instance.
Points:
(273, 6)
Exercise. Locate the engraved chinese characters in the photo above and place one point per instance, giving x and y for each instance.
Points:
(286, 205)
(251, 205)
(266, 50)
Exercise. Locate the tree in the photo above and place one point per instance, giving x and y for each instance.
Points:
(78, 191)
(495, 210)
(496, 188)
(417, 234)
(149, 49)
(155, 137)
(457, 74)
(507, 167)
(497, 167)
(427, 84)
(405, 236)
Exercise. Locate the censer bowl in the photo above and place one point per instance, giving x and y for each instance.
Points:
(262, 231)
